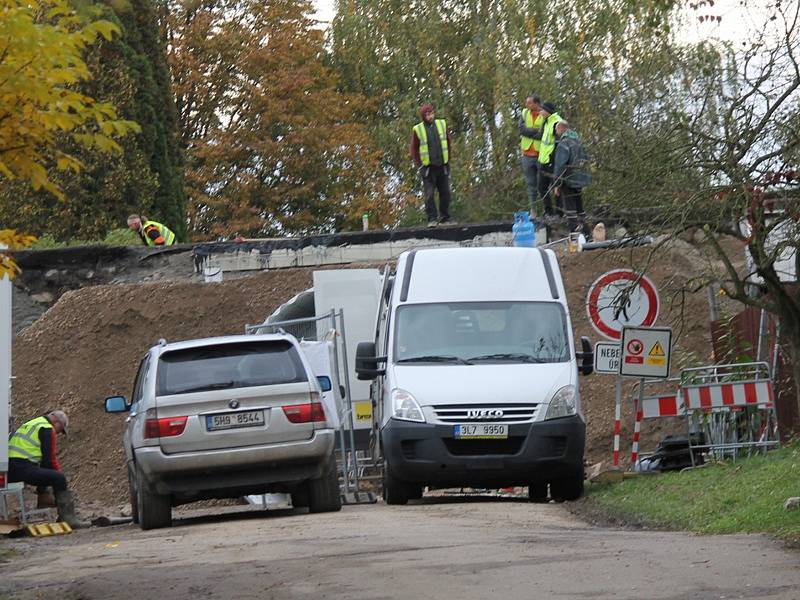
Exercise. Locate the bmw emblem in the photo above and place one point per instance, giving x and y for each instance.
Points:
(233, 404)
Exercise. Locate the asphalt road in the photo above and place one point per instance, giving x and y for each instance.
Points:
(440, 548)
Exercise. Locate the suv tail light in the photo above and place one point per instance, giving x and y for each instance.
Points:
(166, 427)
(305, 413)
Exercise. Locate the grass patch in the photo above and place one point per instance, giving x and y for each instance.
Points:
(742, 497)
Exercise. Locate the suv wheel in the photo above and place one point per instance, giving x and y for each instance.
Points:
(396, 491)
(567, 488)
(133, 494)
(323, 493)
(155, 510)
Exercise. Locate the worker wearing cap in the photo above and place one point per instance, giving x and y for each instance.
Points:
(153, 233)
(32, 460)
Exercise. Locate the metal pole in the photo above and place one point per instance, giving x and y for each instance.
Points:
(762, 327)
(342, 443)
(617, 420)
(349, 400)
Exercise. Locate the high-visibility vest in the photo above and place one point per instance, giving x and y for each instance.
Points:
(166, 233)
(525, 142)
(548, 138)
(25, 442)
(422, 135)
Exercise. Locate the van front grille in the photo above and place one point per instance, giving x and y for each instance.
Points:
(486, 413)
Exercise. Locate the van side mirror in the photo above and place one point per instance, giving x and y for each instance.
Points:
(367, 361)
(325, 383)
(586, 356)
(117, 404)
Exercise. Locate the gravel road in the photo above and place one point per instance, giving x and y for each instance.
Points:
(438, 548)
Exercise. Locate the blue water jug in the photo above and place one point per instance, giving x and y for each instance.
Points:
(524, 230)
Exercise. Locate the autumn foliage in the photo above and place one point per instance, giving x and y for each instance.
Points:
(42, 44)
(272, 146)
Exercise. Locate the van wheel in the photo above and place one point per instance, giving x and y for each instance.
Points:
(567, 488)
(133, 494)
(398, 492)
(323, 493)
(155, 510)
(537, 492)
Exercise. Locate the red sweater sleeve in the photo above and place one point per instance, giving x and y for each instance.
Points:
(414, 149)
(449, 146)
(53, 457)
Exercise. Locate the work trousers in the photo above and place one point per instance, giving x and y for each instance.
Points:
(546, 191)
(436, 178)
(530, 171)
(573, 208)
(20, 469)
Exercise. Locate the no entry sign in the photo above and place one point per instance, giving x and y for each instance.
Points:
(621, 298)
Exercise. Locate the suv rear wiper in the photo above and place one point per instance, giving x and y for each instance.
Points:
(527, 358)
(435, 358)
(219, 385)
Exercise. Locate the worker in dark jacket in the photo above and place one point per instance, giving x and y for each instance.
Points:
(153, 233)
(431, 150)
(32, 460)
(571, 174)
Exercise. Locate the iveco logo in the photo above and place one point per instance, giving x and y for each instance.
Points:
(233, 404)
(484, 413)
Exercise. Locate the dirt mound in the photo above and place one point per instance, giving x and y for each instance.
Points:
(89, 344)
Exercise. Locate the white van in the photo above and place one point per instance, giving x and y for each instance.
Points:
(476, 376)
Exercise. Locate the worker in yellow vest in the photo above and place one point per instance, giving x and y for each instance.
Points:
(153, 233)
(530, 125)
(32, 460)
(546, 158)
(431, 150)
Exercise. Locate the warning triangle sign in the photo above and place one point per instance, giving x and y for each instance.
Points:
(656, 350)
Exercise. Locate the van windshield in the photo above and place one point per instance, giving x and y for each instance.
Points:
(228, 366)
(481, 332)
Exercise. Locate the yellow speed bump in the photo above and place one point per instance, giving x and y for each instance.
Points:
(47, 529)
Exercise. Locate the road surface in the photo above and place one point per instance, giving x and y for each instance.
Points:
(439, 548)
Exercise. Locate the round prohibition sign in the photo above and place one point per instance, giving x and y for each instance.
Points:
(620, 298)
(635, 346)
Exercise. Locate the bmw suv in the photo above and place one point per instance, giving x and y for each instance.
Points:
(222, 418)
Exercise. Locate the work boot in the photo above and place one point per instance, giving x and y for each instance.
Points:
(66, 510)
(45, 500)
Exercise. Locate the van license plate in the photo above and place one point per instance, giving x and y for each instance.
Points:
(250, 418)
(480, 431)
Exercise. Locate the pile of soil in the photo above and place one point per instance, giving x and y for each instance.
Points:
(89, 344)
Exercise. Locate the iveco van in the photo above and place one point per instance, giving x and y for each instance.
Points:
(476, 375)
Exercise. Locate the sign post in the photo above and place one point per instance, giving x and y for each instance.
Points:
(5, 369)
(618, 299)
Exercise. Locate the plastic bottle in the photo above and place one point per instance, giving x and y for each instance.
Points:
(524, 230)
(365, 221)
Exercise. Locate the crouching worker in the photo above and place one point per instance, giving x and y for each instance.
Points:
(32, 460)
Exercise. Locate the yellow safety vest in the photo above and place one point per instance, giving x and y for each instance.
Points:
(166, 233)
(548, 138)
(25, 442)
(422, 135)
(531, 123)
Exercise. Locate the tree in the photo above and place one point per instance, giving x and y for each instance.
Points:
(128, 71)
(478, 60)
(273, 148)
(42, 46)
(10, 239)
(741, 140)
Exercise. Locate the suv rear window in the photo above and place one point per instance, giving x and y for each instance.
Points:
(225, 366)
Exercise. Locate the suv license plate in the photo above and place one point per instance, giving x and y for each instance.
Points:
(480, 431)
(250, 418)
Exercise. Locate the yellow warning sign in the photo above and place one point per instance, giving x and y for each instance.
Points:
(364, 411)
(656, 350)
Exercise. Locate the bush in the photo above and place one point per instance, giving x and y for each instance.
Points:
(122, 237)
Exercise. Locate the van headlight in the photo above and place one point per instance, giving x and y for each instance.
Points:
(405, 407)
(562, 404)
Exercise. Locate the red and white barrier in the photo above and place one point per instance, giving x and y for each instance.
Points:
(668, 405)
(726, 395)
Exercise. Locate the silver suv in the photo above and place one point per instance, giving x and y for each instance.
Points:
(222, 418)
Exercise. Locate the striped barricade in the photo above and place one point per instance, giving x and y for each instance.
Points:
(711, 396)
(653, 407)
